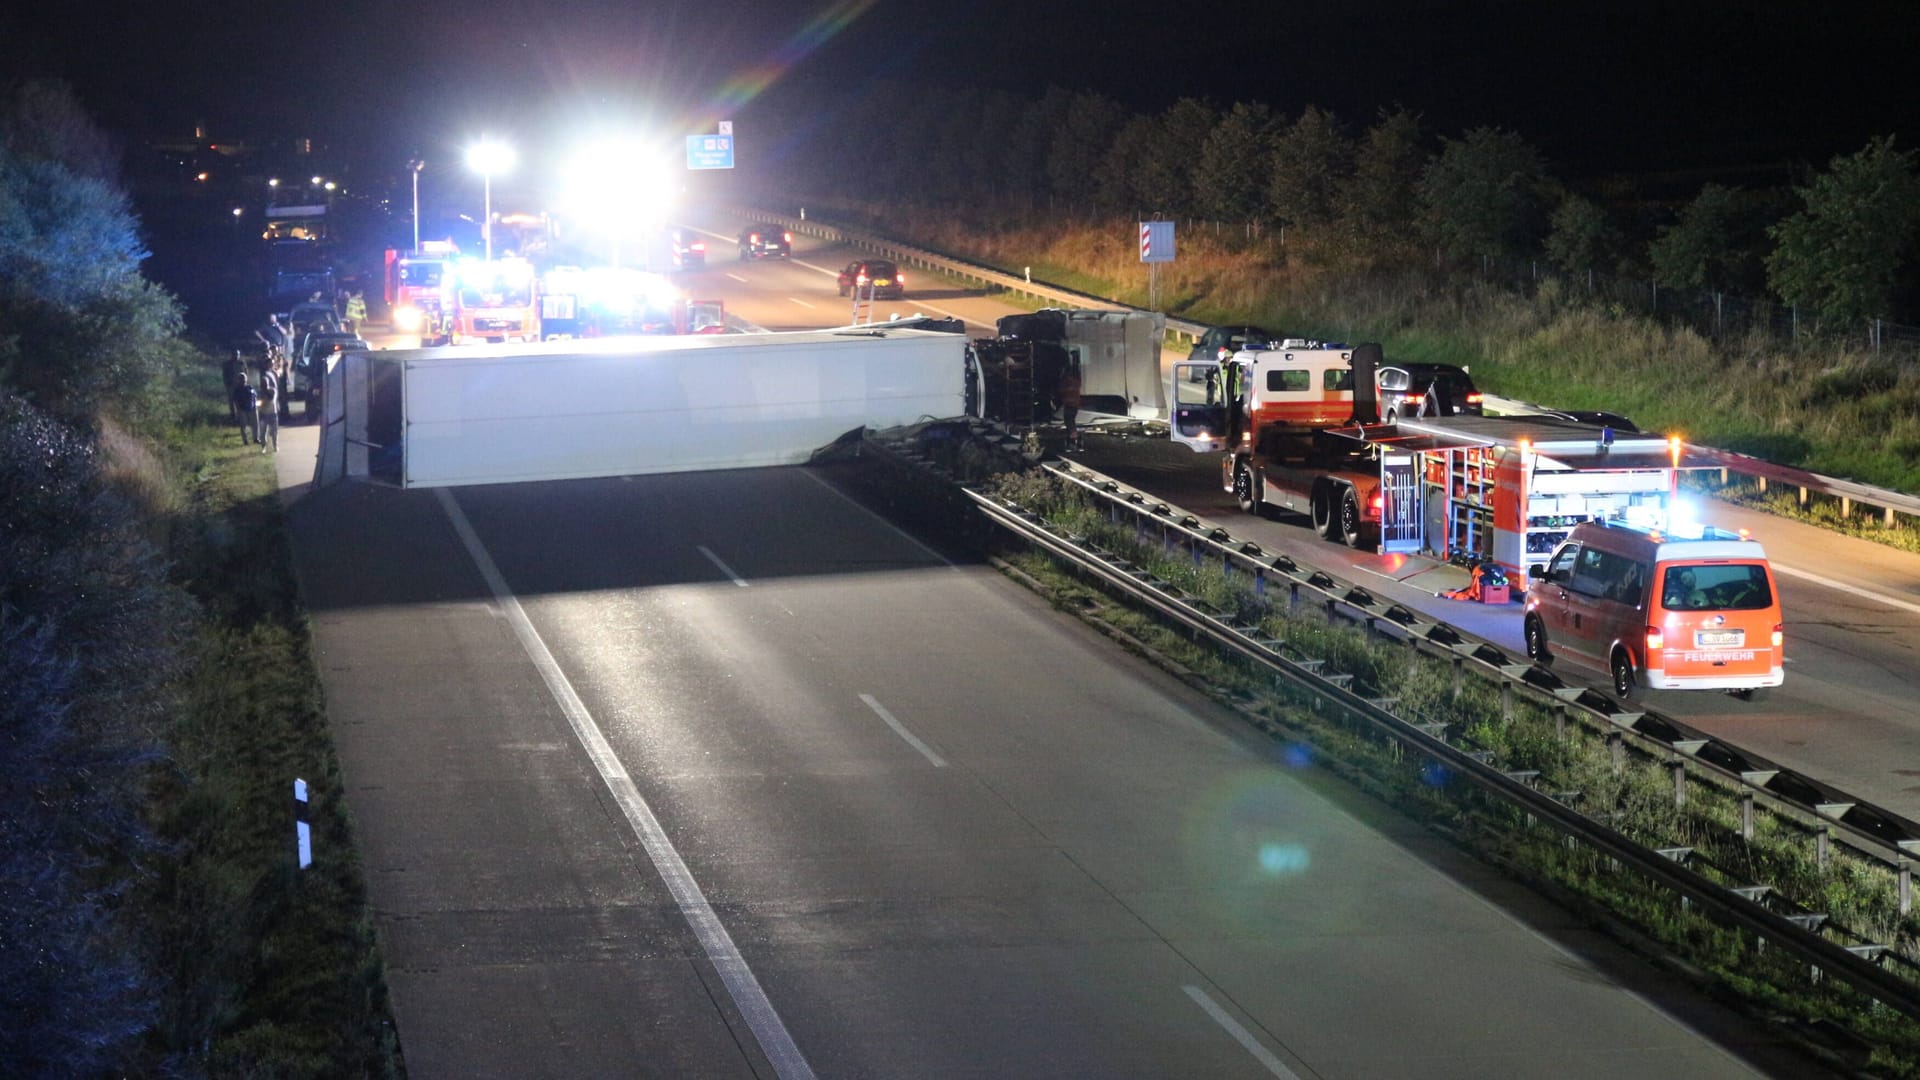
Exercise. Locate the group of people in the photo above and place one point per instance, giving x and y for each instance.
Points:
(258, 395)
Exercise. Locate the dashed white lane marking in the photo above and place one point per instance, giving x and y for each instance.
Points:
(724, 568)
(1240, 1034)
(799, 301)
(736, 277)
(900, 729)
(767, 1027)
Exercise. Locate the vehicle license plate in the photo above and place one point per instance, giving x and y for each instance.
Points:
(1719, 639)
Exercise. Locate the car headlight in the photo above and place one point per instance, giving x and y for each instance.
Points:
(407, 318)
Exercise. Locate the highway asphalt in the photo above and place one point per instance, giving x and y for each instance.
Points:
(722, 775)
(1852, 608)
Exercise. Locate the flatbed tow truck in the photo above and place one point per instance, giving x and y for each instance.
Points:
(1297, 428)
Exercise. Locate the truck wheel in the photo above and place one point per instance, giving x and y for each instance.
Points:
(1352, 527)
(1246, 490)
(1757, 693)
(1323, 513)
(1626, 682)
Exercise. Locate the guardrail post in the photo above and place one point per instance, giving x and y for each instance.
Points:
(1822, 842)
(1846, 507)
(1906, 889)
(1370, 630)
(1617, 745)
(1506, 701)
(1459, 673)
(1889, 519)
(1763, 484)
(1293, 598)
(1803, 498)
(1746, 816)
(1259, 582)
(1560, 723)
(1679, 784)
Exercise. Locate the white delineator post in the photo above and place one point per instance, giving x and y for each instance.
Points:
(302, 830)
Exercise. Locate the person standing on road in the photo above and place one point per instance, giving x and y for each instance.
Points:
(269, 410)
(1069, 394)
(230, 372)
(283, 380)
(245, 402)
(356, 311)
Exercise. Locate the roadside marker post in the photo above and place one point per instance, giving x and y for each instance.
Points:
(302, 830)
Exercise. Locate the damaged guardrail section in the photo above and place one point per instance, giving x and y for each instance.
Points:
(1805, 883)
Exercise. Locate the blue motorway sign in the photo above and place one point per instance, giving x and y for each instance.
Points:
(709, 151)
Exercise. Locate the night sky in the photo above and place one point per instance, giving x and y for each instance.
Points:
(1599, 87)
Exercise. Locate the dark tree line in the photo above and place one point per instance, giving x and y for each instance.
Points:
(1840, 245)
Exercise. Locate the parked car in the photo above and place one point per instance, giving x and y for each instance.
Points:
(1403, 388)
(765, 242)
(874, 278)
(310, 366)
(1230, 338)
(689, 251)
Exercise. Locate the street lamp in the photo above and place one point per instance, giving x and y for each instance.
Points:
(487, 157)
(416, 166)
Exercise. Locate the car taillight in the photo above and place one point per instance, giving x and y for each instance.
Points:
(1656, 638)
(1378, 502)
(753, 238)
(698, 246)
(862, 279)
(1779, 636)
(899, 278)
(788, 237)
(1475, 399)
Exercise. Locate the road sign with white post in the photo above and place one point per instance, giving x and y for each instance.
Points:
(1156, 247)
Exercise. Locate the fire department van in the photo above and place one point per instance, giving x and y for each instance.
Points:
(1660, 610)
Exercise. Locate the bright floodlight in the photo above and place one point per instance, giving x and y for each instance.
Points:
(487, 157)
(616, 187)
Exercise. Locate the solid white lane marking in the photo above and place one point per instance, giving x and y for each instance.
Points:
(736, 277)
(900, 729)
(1865, 594)
(902, 533)
(1240, 1034)
(799, 301)
(724, 568)
(768, 1029)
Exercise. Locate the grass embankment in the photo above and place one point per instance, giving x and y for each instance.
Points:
(1829, 408)
(1632, 794)
(274, 969)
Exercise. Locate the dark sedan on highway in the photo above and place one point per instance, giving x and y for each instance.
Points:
(765, 242)
(874, 278)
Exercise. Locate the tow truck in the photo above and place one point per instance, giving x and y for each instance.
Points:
(1297, 428)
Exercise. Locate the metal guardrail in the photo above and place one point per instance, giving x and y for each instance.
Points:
(1847, 491)
(952, 266)
(1858, 965)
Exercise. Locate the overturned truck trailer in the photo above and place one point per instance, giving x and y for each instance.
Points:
(625, 406)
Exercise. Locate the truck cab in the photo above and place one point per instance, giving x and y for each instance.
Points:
(1293, 390)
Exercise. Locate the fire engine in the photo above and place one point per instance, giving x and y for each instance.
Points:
(609, 302)
(494, 301)
(420, 289)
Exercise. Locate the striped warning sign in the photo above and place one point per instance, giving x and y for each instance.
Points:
(1156, 241)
